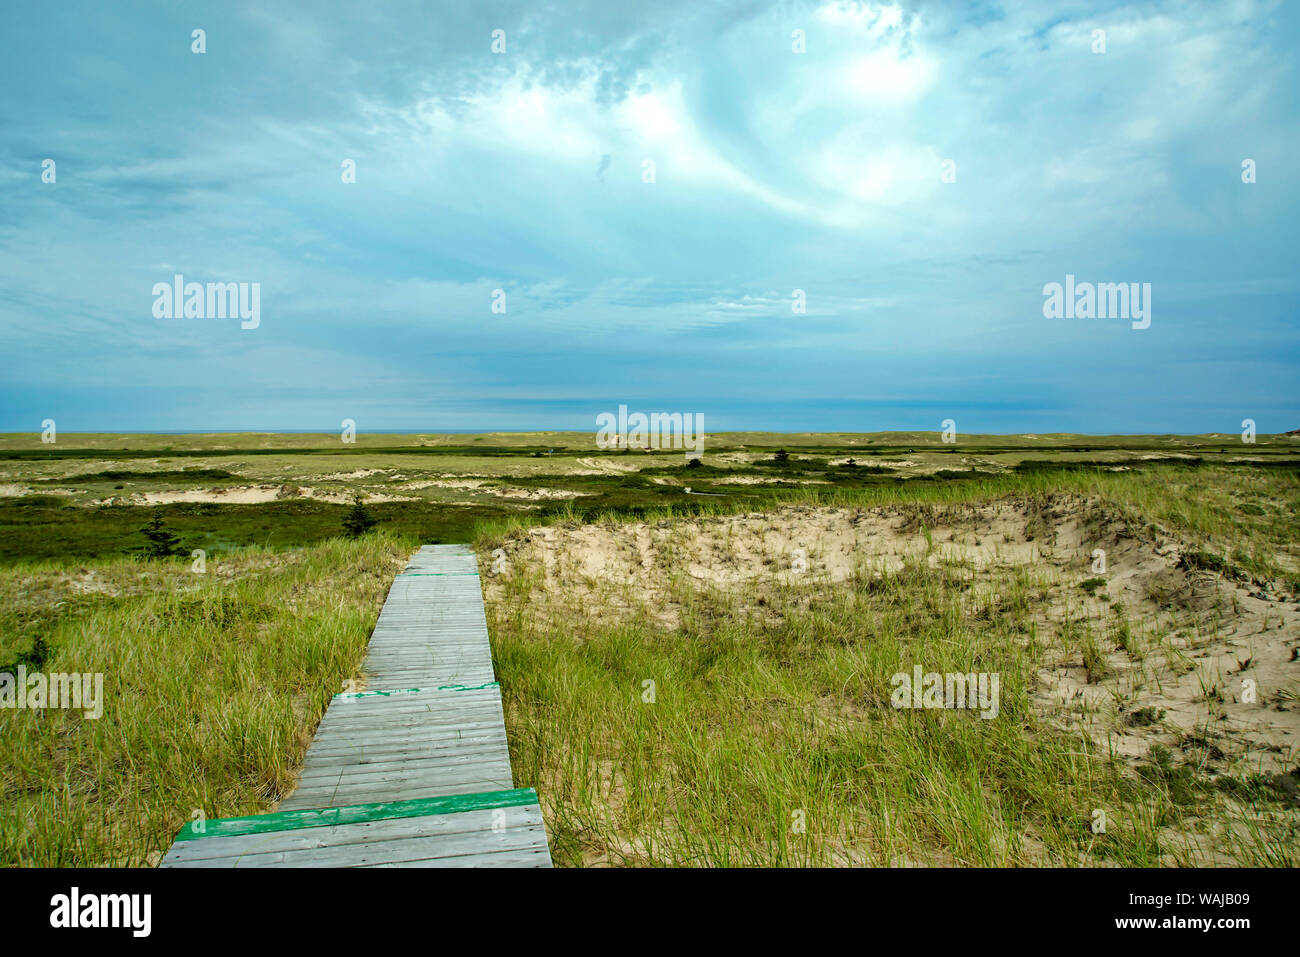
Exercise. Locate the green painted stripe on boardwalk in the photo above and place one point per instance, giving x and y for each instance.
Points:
(349, 695)
(357, 814)
(374, 694)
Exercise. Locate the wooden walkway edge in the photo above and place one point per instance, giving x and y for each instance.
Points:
(414, 771)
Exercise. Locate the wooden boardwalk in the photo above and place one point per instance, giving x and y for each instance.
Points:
(412, 772)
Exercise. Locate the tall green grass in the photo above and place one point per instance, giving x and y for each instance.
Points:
(212, 684)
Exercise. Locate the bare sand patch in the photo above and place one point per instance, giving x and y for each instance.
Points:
(767, 480)
(873, 463)
(609, 466)
(252, 495)
(535, 494)
(1201, 638)
(348, 476)
(445, 483)
(736, 458)
(502, 491)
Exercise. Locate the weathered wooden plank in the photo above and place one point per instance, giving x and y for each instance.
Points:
(348, 713)
(367, 756)
(345, 788)
(429, 850)
(354, 739)
(430, 769)
(368, 832)
(361, 794)
(410, 724)
(535, 857)
(347, 738)
(433, 720)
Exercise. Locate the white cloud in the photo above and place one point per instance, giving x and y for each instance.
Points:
(885, 78)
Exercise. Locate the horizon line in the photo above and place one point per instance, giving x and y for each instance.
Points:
(334, 432)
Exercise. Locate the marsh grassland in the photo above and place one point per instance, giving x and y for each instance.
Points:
(689, 679)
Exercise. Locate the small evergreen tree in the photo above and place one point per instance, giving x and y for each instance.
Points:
(781, 456)
(160, 543)
(358, 521)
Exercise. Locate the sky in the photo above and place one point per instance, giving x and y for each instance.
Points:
(643, 191)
